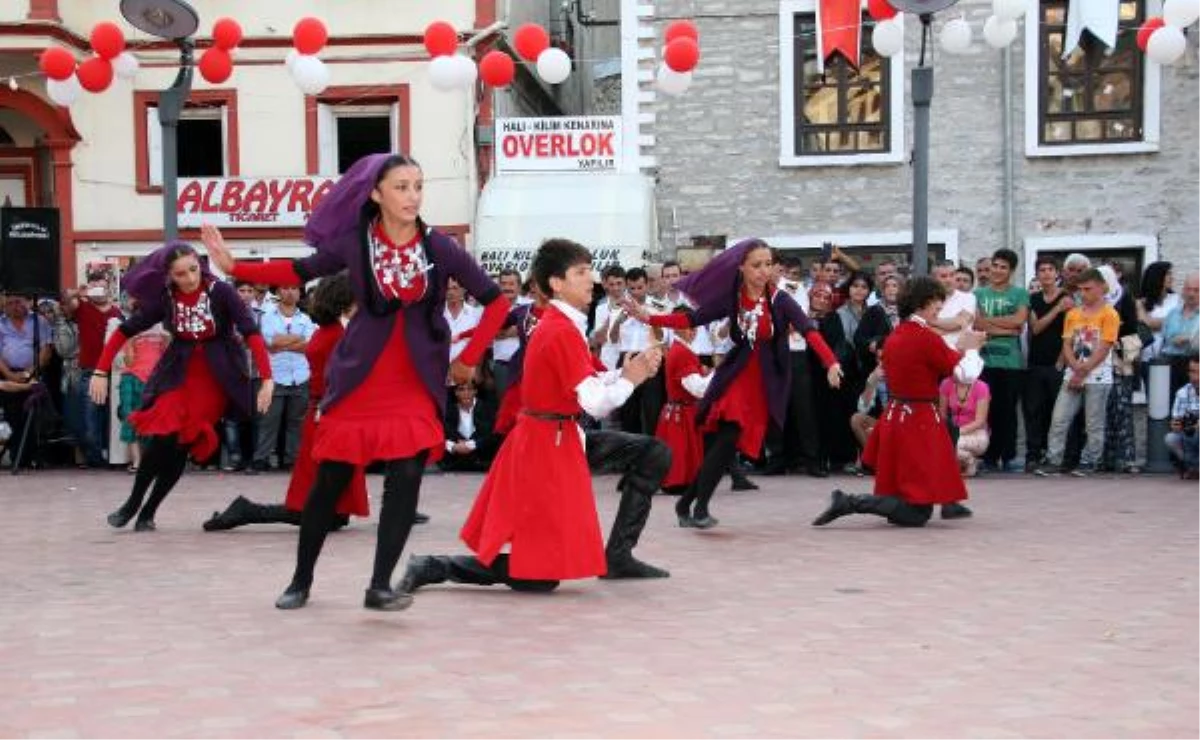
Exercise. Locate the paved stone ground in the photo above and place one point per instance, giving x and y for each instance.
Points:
(1063, 609)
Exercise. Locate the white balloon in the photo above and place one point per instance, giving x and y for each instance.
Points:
(956, 36)
(1009, 9)
(999, 32)
(1181, 13)
(671, 82)
(290, 59)
(444, 73)
(553, 66)
(465, 70)
(64, 92)
(311, 74)
(1166, 45)
(888, 37)
(126, 66)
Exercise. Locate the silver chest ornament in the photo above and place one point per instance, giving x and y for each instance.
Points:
(748, 319)
(397, 268)
(193, 319)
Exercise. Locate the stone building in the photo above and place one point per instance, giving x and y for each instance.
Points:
(1097, 153)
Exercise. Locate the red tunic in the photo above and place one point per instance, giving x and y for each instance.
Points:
(745, 400)
(353, 500)
(677, 422)
(910, 448)
(193, 409)
(537, 498)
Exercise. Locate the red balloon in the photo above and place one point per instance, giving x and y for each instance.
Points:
(880, 10)
(95, 75)
(57, 63)
(1147, 30)
(441, 40)
(682, 54)
(227, 34)
(497, 69)
(107, 40)
(681, 29)
(530, 40)
(216, 65)
(309, 36)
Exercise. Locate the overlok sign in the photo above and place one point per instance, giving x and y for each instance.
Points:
(250, 201)
(562, 144)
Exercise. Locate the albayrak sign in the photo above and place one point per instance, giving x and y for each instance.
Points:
(563, 144)
(250, 201)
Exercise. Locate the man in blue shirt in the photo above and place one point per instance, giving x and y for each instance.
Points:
(286, 332)
(21, 330)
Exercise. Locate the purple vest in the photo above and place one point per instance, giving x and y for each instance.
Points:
(774, 359)
(425, 328)
(224, 352)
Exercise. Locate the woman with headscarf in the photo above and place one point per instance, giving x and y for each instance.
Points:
(385, 395)
(750, 388)
(202, 372)
(1119, 454)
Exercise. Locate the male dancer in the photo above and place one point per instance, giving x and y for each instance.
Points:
(545, 512)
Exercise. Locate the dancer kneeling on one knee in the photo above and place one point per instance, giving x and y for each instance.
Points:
(537, 498)
(750, 388)
(910, 449)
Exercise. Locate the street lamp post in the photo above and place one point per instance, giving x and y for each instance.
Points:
(922, 95)
(177, 21)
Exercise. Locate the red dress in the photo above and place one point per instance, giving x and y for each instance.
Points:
(910, 448)
(537, 498)
(353, 500)
(745, 400)
(677, 422)
(193, 409)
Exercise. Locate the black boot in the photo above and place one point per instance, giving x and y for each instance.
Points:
(840, 505)
(632, 514)
(235, 515)
(423, 570)
(740, 481)
(956, 511)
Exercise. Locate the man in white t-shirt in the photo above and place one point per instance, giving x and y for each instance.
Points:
(632, 336)
(506, 343)
(613, 279)
(958, 312)
(460, 315)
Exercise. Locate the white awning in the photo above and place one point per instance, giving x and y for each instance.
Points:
(613, 215)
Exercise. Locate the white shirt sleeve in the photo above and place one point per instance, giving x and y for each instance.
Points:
(696, 384)
(969, 367)
(600, 394)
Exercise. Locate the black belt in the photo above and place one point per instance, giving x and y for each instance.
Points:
(551, 416)
(897, 399)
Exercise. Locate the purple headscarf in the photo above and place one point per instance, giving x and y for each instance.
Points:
(340, 210)
(715, 283)
(146, 281)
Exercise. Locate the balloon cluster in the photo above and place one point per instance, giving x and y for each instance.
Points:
(66, 80)
(999, 30)
(681, 54)
(449, 70)
(216, 64)
(308, 72)
(1161, 37)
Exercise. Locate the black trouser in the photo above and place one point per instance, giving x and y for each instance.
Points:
(13, 406)
(471, 463)
(1042, 384)
(401, 490)
(642, 462)
(468, 569)
(801, 445)
(1005, 387)
(896, 510)
(163, 463)
(720, 448)
(654, 395)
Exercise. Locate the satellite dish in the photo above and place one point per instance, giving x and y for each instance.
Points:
(166, 19)
(921, 7)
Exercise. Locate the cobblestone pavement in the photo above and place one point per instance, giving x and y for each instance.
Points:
(1064, 608)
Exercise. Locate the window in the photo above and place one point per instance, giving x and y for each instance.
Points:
(1132, 252)
(869, 248)
(343, 124)
(841, 115)
(206, 137)
(1095, 100)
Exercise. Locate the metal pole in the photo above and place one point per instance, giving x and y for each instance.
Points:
(922, 95)
(170, 105)
(1158, 413)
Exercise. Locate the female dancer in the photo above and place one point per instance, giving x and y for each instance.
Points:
(202, 371)
(687, 380)
(331, 303)
(386, 382)
(750, 388)
(910, 449)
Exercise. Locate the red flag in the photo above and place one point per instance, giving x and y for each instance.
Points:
(839, 29)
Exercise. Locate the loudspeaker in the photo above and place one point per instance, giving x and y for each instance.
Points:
(29, 250)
